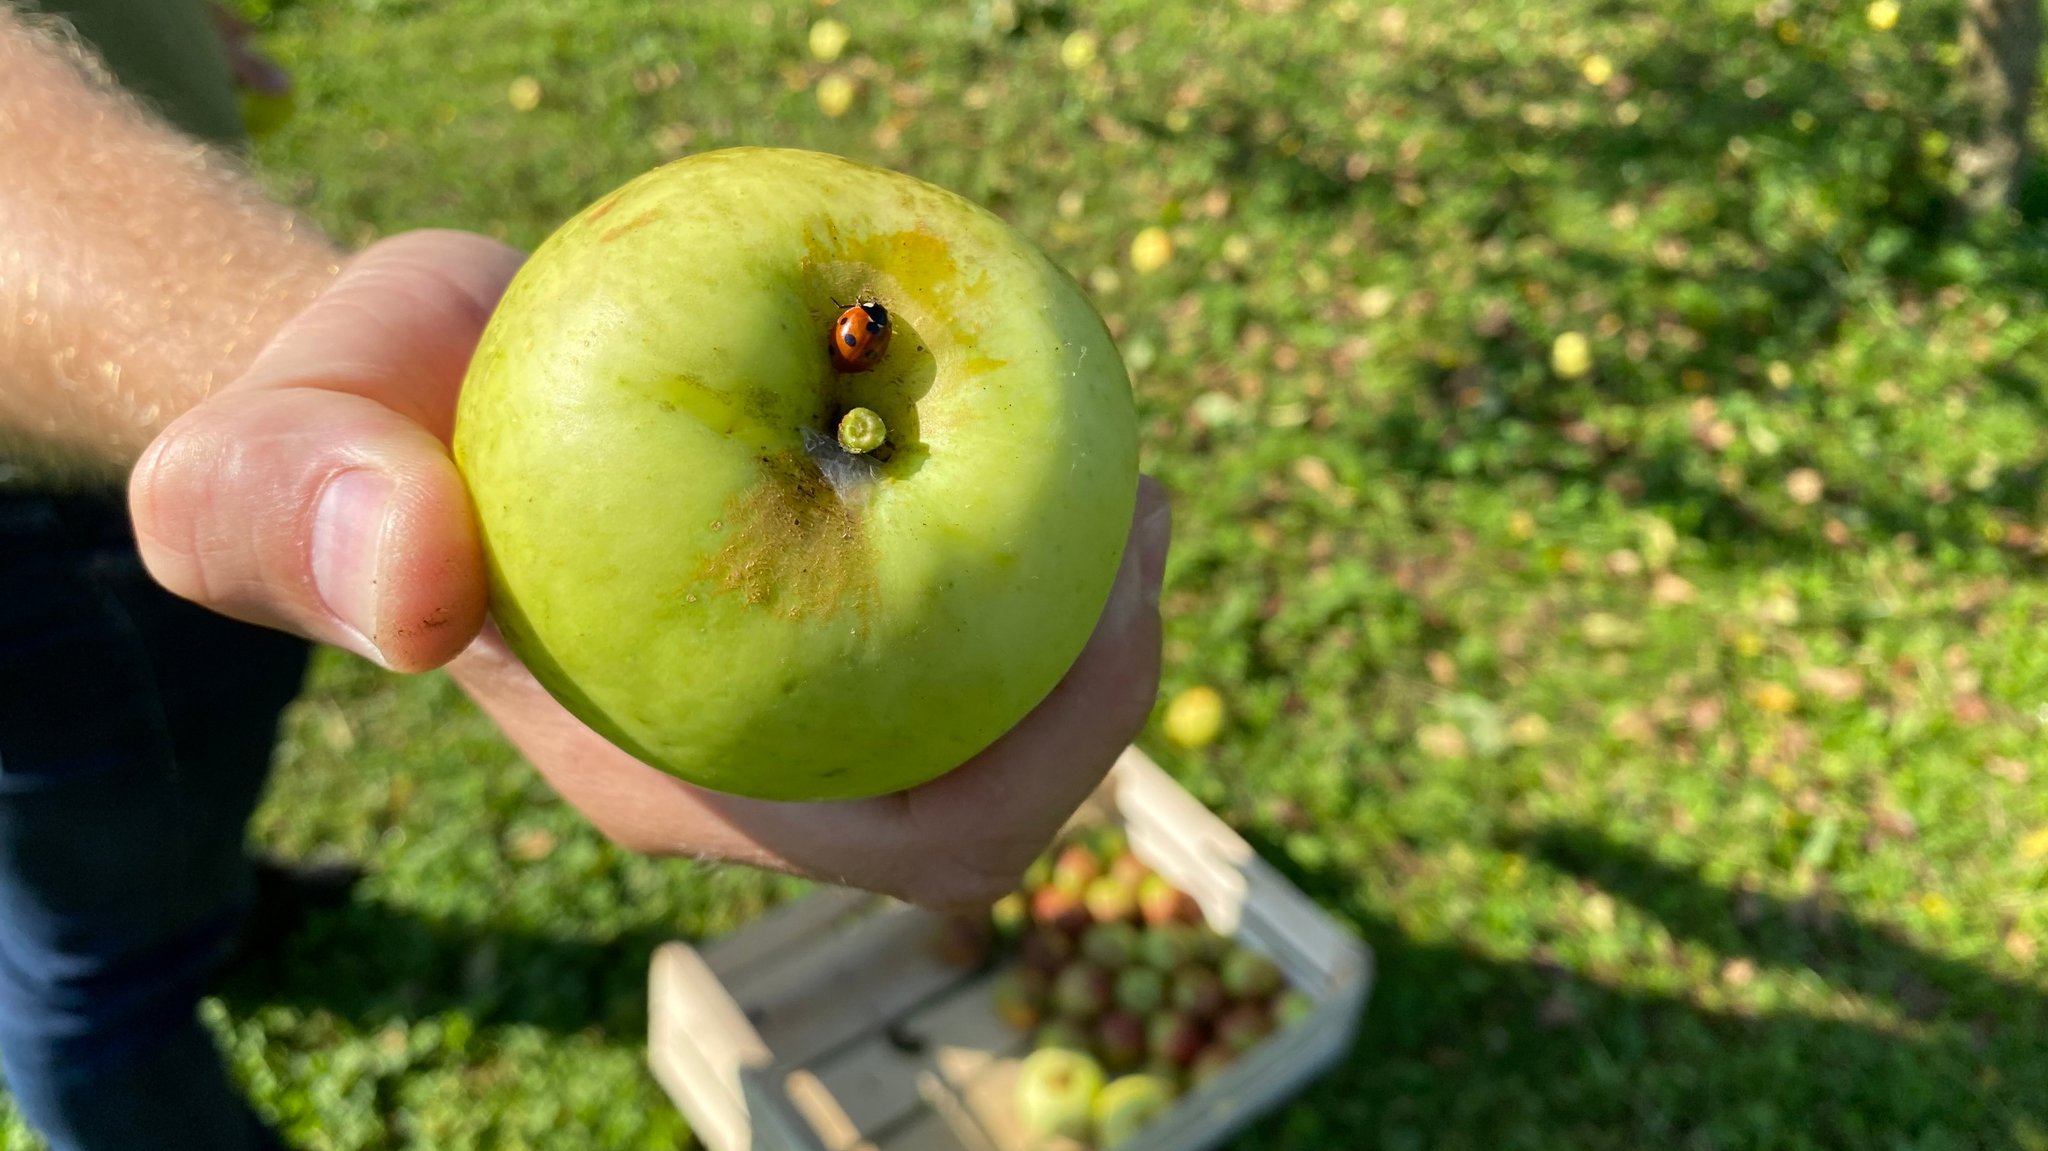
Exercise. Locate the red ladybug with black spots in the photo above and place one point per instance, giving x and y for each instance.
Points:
(860, 336)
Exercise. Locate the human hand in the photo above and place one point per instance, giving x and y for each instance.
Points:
(316, 494)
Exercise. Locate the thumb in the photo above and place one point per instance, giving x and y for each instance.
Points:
(315, 494)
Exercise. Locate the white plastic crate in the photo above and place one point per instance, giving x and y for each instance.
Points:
(834, 1023)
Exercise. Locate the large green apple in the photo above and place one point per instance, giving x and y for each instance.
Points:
(680, 549)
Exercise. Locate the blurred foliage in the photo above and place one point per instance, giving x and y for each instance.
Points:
(1668, 721)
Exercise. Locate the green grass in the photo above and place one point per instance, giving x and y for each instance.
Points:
(1686, 801)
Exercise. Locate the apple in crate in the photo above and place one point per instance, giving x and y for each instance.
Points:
(1111, 900)
(1243, 1026)
(1082, 991)
(1047, 950)
(1120, 1039)
(1248, 975)
(1168, 946)
(1056, 1090)
(1161, 902)
(1177, 1037)
(1197, 991)
(1126, 1105)
(1140, 989)
(1113, 945)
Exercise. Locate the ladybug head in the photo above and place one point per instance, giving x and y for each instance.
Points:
(876, 313)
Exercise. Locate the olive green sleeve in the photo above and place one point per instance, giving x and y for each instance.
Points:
(168, 53)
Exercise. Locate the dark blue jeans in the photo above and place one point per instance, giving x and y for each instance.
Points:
(136, 733)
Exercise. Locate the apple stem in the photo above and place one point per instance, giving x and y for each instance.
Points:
(861, 430)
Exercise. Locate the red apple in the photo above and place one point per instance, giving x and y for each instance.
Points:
(1120, 1040)
(1047, 949)
(1058, 907)
(1243, 1027)
(1161, 902)
(1083, 991)
(1129, 869)
(1197, 991)
(1176, 1037)
(1075, 868)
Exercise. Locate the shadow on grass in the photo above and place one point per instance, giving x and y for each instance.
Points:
(1459, 1049)
(372, 965)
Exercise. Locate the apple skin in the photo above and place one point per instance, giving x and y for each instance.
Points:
(1196, 990)
(1120, 1040)
(1175, 1038)
(1075, 868)
(1249, 975)
(1047, 950)
(1140, 989)
(1113, 945)
(640, 431)
(1056, 1090)
(1082, 991)
(1126, 1105)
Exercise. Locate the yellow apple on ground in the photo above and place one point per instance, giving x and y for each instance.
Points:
(681, 549)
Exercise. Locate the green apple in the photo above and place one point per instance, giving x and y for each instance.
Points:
(681, 550)
(1127, 1105)
(1056, 1089)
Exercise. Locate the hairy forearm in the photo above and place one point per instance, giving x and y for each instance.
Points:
(139, 269)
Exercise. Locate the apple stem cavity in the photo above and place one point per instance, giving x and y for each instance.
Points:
(861, 430)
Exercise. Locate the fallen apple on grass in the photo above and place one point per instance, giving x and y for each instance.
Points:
(690, 553)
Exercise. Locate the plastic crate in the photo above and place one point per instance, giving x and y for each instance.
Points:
(834, 1023)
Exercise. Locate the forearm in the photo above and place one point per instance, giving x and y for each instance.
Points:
(139, 269)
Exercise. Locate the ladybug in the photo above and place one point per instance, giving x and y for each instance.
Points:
(859, 337)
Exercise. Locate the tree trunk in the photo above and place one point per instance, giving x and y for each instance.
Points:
(2001, 44)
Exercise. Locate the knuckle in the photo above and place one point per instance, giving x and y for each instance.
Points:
(172, 488)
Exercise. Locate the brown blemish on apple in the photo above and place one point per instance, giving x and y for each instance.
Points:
(605, 206)
(639, 221)
(796, 548)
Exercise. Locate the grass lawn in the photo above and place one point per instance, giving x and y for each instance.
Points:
(1670, 728)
